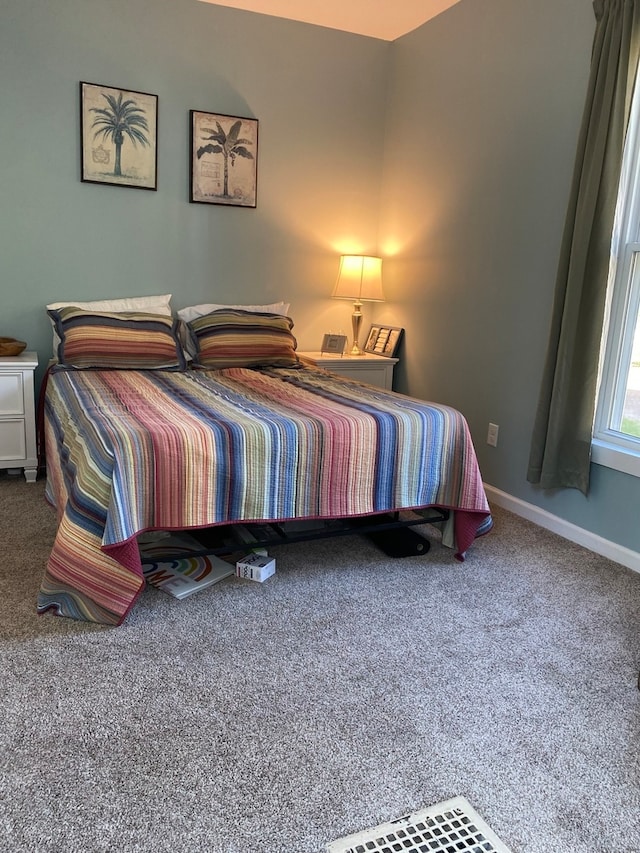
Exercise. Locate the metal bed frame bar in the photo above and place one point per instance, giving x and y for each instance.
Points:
(250, 535)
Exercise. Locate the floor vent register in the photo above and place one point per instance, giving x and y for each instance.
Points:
(452, 826)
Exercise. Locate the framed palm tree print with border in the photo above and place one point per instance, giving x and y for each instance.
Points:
(224, 159)
(119, 136)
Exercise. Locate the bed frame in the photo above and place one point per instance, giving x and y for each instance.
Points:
(391, 532)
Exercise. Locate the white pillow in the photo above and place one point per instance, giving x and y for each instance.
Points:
(149, 304)
(194, 311)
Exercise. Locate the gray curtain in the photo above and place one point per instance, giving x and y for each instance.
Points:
(561, 443)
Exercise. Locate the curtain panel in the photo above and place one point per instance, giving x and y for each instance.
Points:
(561, 443)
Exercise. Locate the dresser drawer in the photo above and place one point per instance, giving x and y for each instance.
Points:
(374, 369)
(13, 440)
(18, 445)
(373, 374)
(11, 394)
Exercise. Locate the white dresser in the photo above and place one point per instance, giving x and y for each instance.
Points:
(374, 369)
(18, 447)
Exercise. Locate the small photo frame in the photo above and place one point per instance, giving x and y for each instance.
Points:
(224, 159)
(384, 340)
(118, 136)
(334, 344)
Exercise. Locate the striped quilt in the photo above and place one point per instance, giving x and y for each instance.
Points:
(130, 451)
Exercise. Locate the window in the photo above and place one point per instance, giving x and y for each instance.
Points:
(616, 441)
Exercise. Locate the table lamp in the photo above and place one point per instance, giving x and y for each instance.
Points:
(359, 279)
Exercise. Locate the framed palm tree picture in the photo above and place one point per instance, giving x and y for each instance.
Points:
(224, 158)
(119, 136)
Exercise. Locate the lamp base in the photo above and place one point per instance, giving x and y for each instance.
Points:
(356, 320)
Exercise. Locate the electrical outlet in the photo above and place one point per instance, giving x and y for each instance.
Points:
(492, 435)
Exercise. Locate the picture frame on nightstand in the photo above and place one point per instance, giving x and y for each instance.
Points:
(334, 344)
(384, 340)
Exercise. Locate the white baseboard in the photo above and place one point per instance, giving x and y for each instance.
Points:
(604, 547)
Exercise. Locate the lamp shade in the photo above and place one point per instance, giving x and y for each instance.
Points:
(360, 279)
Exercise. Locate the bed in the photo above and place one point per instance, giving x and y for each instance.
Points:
(180, 446)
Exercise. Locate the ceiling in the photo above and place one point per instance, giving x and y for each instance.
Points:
(383, 19)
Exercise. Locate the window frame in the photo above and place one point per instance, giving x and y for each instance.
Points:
(609, 446)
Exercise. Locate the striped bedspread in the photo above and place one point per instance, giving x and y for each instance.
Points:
(130, 451)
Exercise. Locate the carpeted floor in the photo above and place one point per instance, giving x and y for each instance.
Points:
(348, 690)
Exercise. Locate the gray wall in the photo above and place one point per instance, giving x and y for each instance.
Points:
(485, 103)
(449, 151)
(318, 95)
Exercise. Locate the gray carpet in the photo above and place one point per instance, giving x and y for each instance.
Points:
(346, 691)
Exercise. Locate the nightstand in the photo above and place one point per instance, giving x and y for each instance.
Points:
(17, 414)
(374, 369)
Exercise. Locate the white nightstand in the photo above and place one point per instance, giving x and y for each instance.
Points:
(374, 369)
(17, 414)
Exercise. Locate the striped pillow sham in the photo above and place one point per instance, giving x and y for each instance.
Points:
(149, 304)
(235, 338)
(129, 339)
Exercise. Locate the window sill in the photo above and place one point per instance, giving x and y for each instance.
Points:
(613, 456)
